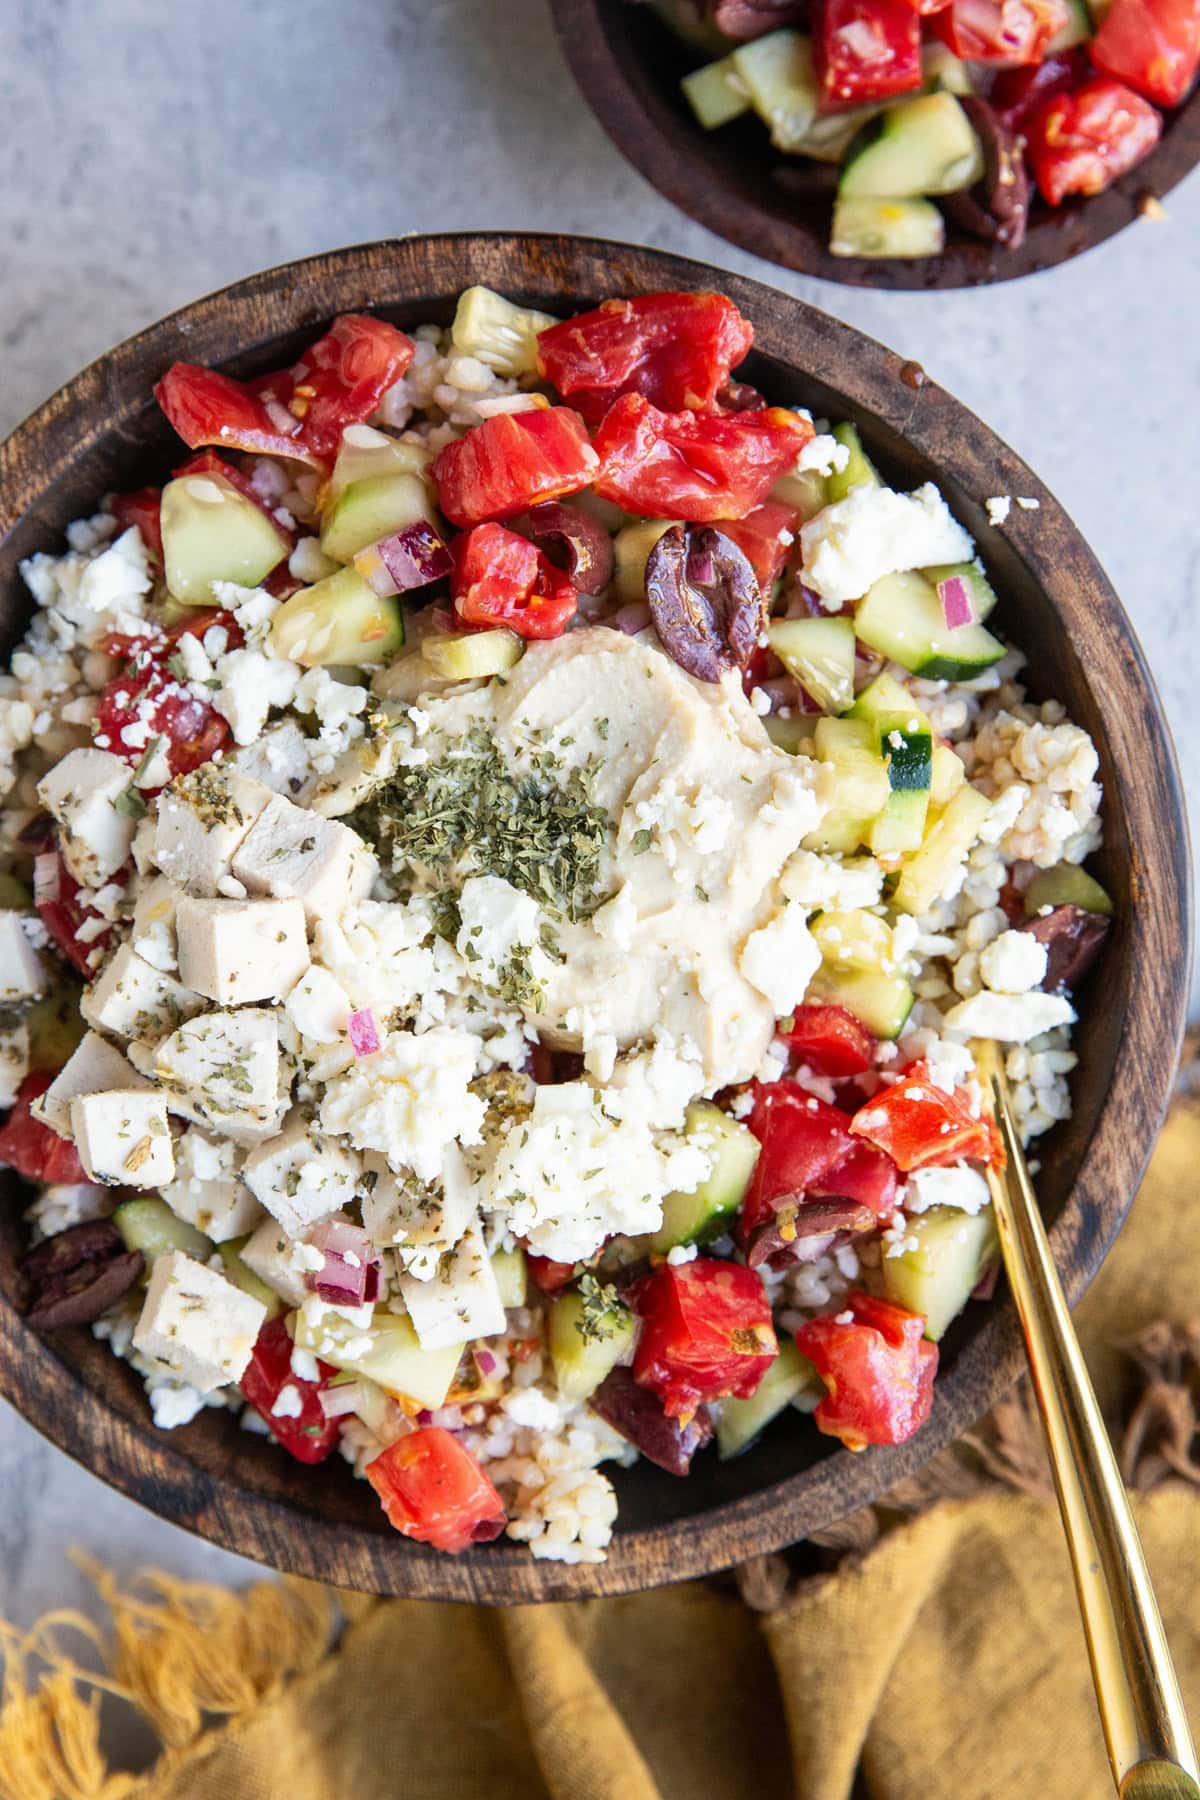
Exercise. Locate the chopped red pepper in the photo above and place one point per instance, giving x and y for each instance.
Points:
(921, 1126)
(866, 50)
(500, 578)
(30, 1147)
(706, 1333)
(63, 914)
(1001, 31)
(878, 1370)
(1154, 45)
(866, 1175)
(765, 536)
(307, 1434)
(432, 1489)
(703, 467)
(676, 349)
(830, 1040)
(1079, 143)
(143, 509)
(511, 462)
(802, 1138)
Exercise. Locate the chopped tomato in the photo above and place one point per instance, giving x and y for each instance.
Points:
(1079, 143)
(676, 349)
(207, 462)
(143, 509)
(307, 1434)
(1154, 45)
(830, 1040)
(30, 1147)
(1017, 93)
(432, 1489)
(921, 1126)
(877, 1368)
(764, 536)
(148, 701)
(1001, 31)
(299, 412)
(703, 467)
(866, 1175)
(550, 1276)
(706, 1333)
(64, 915)
(926, 7)
(500, 578)
(511, 462)
(802, 1138)
(866, 50)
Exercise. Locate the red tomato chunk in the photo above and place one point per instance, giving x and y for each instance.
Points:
(676, 349)
(830, 1040)
(1079, 143)
(802, 1139)
(62, 913)
(1154, 45)
(500, 578)
(432, 1489)
(866, 50)
(30, 1147)
(703, 467)
(706, 1333)
(143, 509)
(508, 463)
(765, 537)
(148, 701)
(307, 1435)
(867, 1175)
(877, 1368)
(920, 1126)
(1001, 31)
(1016, 94)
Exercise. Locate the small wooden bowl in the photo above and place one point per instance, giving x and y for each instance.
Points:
(103, 431)
(628, 64)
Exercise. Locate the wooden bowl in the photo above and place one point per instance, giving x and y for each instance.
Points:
(628, 64)
(103, 431)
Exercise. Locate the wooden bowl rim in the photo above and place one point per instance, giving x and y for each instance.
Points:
(154, 1468)
(670, 152)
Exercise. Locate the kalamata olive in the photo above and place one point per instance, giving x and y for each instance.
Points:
(997, 207)
(746, 19)
(76, 1275)
(638, 1415)
(573, 540)
(803, 1233)
(739, 396)
(1073, 940)
(705, 600)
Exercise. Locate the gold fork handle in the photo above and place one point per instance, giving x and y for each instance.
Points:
(1141, 1710)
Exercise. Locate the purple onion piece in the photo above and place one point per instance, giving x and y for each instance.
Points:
(705, 600)
(746, 19)
(572, 540)
(1073, 939)
(638, 1415)
(414, 556)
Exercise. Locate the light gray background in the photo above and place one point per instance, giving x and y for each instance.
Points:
(152, 150)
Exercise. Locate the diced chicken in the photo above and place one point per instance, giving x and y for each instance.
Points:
(222, 1069)
(197, 1323)
(235, 951)
(301, 1176)
(22, 971)
(202, 818)
(291, 854)
(123, 1137)
(94, 1067)
(461, 1301)
(133, 999)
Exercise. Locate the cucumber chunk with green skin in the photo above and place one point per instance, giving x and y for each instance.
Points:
(921, 146)
(884, 228)
(340, 620)
(944, 72)
(937, 1278)
(739, 1422)
(1066, 885)
(860, 787)
(703, 1214)
(854, 939)
(793, 734)
(926, 875)
(947, 777)
(587, 1340)
(777, 73)
(508, 1266)
(900, 826)
(820, 654)
(364, 454)
(859, 471)
(212, 532)
(887, 695)
(882, 1002)
(14, 895)
(244, 1278)
(808, 492)
(983, 594)
(716, 93)
(497, 332)
(393, 1357)
(473, 654)
(902, 618)
(631, 550)
(148, 1224)
(373, 509)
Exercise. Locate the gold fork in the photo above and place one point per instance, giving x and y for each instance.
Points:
(1141, 1710)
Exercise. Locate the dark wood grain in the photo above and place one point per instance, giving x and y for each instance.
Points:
(102, 431)
(628, 65)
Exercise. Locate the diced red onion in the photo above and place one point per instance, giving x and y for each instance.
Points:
(957, 605)
(337, 1401)
(486, 1362)
(414, 556)
(424, 1417)
(46, 871)
(364, 1033)
(632, 618)
(803, 603)
(785, 690)
(349, 1275)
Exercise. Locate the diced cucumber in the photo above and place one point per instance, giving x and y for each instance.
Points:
(1066, 884)
(944, 72)
(685, 20)
(859, 471)
(902, 618)
(696, 1217)
(211, 532)
(909, 757)
(882, 1002)
(983, 594)
(860, 787)
(883, 228)
(820, 654)
(901, 825)
(793, 734)
(148, 1224)
(855, 939)
(739, 1422)
(471, 655)
(56, 1028)
(508, 1266)
(947, 777)
(587, 1341)
(836, 738)
(364, 454)
(1077, 30)
(777, 73)
(498, 332)
(922, 146)
(394, 1357)
(631, 548)
(373, 509)
(716, 93)
(340, 620)
(808, 492)
(14, 895)
(830, 135)
(246, 1279)
(936, 1279)
(887, 695)
(926, 875)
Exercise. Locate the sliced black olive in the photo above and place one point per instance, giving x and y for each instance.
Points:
(638, 1415)
(997, 207)
(76, 1275)
(1073, 938)
(705, 600)
(573, 540)
(804, 1232)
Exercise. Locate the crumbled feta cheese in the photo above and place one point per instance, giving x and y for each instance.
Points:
(531, 1408)
(1010, 1018)
(174, 1403)
(781, 958)
(958, 1185)
(1013, 963)
(499, 932)
(682, 1253)
(281, 759)
(207, 1190)
(823, 454)
(318, 1007)
(409, 1100)
(250, 685)
(289, 1402)
(998, 508)
(123, 1137)
(197, 1323)
(234, 951)
(874, 532)
(1027, 503)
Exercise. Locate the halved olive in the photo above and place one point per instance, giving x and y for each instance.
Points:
(705, 600)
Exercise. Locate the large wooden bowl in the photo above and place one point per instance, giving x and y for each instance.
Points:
(103, 431)
(628, 64)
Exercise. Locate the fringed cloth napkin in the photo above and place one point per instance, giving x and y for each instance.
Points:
(941, 1655)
